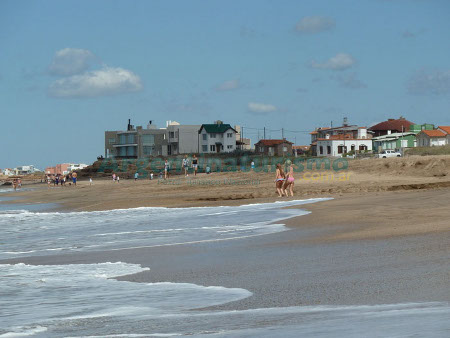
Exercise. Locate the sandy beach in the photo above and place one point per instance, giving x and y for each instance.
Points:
(381, 239)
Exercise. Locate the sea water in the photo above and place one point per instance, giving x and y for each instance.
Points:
(84, 300)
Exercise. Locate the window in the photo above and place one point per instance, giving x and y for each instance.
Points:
(131, 151)
(205, 136)
(123, 139)
(320, 150)
(204, 147)
(112, 140)
(229, 135)
(328, 149)
(229, 147)
(123, 151)
(171, 134)
(130, 138)
(342, 149)
(284, 149)
(212, 135)
(148, 140)
(212, 147)
(147, 150)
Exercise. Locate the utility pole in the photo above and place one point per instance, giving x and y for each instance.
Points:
(282, 133)
(264, 133)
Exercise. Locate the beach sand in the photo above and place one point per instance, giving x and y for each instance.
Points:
(382, 239)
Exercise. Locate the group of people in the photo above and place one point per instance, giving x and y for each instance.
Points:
(61, 180)
(17, 183)
(284, 180)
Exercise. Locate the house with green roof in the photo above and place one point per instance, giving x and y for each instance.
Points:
(218, 137)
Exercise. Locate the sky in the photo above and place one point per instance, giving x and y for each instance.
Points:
(69, 70)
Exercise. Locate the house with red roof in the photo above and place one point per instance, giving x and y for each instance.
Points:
(390, 126)
(273, 147)
(431, 138)
(445, 129)
(337, 141)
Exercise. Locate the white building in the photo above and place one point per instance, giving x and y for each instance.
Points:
(339, 144)
(431, 138)
(9, 172)
(181, 139)
(25, 170)
(446, 130)
(217, 138)
(74, 166)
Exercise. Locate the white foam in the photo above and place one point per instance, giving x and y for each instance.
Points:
(28, 233)
(45, 295)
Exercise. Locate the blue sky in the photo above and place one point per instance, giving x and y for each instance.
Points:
(69, 70)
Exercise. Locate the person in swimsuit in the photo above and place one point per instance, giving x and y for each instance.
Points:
(279, 180)
(195, 164)
(185, 165)
(166, 169)
(74, 178)
(289, 182)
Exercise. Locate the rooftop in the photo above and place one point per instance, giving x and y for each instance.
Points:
(393, 124)
(433, 133)
(216, 128)
(272, 142)
(445, 128)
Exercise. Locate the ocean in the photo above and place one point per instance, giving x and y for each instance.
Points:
(85, 300)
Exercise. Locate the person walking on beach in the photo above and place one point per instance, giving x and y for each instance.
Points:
(289, 182)
(74, 178)
(185, 165)
(118, 178)
(49, 181)
(136, 176)
(14, 183)
(114, 178)
(166, 169)
(90, 180)
(279, 180)
(195, 164)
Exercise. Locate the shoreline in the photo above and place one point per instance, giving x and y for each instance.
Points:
(331, 256)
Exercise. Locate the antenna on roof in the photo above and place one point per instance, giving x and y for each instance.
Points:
(345, 122)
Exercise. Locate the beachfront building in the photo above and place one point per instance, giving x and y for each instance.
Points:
(139, 142)
(336, 141)
(338, 145)
(394, 141)
(431, 138)
(300, 150)
(64, 168)
(181, 139)
(391, 126)
(25, 170)
(242, 143)
(274, 147)
(218, 137)
(446, 130)
(9, 172)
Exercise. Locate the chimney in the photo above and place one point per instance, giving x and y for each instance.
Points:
(129, 127)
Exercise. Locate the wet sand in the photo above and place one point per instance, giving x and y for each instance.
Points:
(372, 248)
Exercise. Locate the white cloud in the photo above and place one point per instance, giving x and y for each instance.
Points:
(261, 108)
(228, 85)
(429, 82)
(340, 61)
(106, 81)
(70, 61)
(314, 24)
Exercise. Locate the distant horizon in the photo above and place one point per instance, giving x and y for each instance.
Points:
(71, 70)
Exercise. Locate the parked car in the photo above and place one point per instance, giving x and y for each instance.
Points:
(389, 153)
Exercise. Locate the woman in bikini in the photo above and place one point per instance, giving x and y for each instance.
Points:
(289, 182)
(279, 180)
